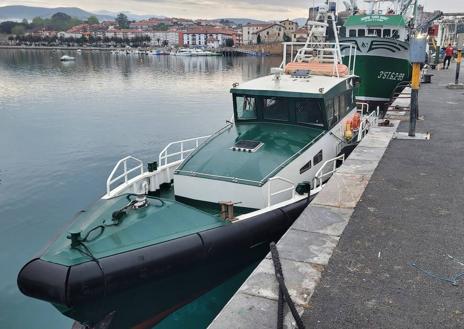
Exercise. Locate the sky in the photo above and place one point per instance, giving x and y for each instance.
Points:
(258, 9)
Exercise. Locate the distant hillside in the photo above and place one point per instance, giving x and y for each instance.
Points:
(20, 12)
(242, 21)
(130, 15)
(301, 21)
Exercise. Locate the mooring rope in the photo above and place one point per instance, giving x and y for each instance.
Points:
(284, 296)
(454, 280)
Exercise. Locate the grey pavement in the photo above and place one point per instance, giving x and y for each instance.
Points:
(412, 211)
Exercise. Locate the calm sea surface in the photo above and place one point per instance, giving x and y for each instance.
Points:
(63, 126)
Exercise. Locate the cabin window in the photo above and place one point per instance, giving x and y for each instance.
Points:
(329, 107)
(246, 107)
(361, 33)
(275, 109)
(309, 112)
(317, 158)
(336, 110)
(343, 107)
(386, 33)
(349, 100)
(306, 167)
(395, 34)
(352, 33)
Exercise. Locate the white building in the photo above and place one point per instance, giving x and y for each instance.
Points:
(248, 30)
(66, 35)
(160, 37)
(290, 26)
(206, 36)
(124, 33)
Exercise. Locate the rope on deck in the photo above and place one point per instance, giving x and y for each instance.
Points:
(284, 296)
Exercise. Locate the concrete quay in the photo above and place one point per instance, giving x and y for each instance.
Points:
(349, 259)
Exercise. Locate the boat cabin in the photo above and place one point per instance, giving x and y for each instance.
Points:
(380, 26)
(318, 109)
(279, 130)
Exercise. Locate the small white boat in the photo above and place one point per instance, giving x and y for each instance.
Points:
(79, 51)
(183, 52)
(67, 58)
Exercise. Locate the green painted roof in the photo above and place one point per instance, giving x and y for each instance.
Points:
(281, 143)
(143, 227)
(375, 20)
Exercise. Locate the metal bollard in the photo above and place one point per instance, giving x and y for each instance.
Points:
(456, 84)
(414, 110)
(417, 56)
(458, 66)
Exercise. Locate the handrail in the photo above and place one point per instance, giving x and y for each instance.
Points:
(320, 174)
(331, 50)
(364, 107)
(269, 189)
(366, 122)
(126, 172)
(164, 155)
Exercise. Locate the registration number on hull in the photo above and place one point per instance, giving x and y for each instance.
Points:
(385, 75)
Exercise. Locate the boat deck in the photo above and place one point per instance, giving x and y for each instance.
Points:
(281, 142)
(162, 220)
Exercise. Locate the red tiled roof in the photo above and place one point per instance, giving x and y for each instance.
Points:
(208, 30)
(269, 26)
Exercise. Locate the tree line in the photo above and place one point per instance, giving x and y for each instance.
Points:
(58, 22)
(138, 41)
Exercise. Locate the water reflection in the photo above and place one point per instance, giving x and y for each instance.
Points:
(64, 126)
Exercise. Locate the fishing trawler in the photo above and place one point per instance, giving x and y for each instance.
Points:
(210, 205)
(381, 38)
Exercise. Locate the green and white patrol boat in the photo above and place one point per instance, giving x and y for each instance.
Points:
(210, 205)
(382, 62)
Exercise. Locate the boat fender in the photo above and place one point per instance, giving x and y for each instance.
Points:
(356, 123)
(348, 134)
(303, 188)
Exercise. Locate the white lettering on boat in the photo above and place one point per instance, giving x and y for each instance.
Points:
(385, 75)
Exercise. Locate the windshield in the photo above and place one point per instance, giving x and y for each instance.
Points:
(246, 107)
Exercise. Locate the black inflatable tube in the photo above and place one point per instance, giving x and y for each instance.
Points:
(74, 285)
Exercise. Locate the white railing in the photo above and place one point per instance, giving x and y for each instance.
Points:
(323, 52)
(363, 107)
(328, 169)
(126, 171)
(271, 194)
(184, 148)
(367, 121)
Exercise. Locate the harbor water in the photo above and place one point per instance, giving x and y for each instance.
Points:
(63, 126)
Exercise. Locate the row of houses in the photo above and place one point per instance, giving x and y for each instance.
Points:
(190, 34)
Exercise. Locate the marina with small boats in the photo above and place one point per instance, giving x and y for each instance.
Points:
(264, 205)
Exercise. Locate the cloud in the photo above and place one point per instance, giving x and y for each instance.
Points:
(260, 9)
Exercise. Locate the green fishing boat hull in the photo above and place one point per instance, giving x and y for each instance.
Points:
(383, 66)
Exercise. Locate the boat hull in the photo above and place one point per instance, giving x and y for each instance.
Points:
(382, 65)
(177, 270)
